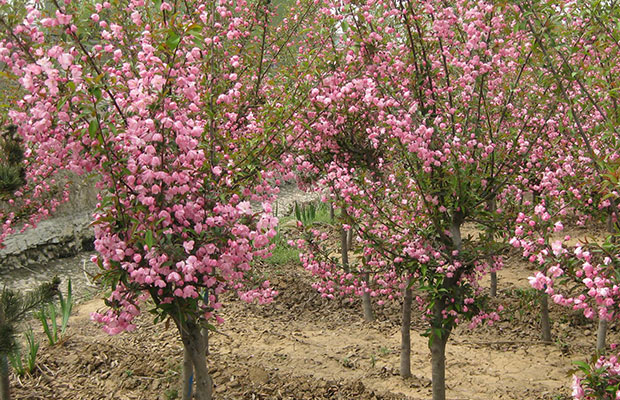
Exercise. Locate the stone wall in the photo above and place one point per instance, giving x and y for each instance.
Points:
(58, 237)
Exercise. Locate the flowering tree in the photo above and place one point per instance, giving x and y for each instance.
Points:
(434, 116)
(578, 43)
(183, 109)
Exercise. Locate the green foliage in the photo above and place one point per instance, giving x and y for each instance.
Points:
(528, 301)
(312, 213)
(282, 253)
(14, 306)
(49, 312)
(306, 213)
(11, 170)
(15, 357)
(171, 394)
(598, 381)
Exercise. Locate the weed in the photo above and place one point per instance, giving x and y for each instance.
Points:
(15, 357)
(49, 312)
(171, 394)
(347, 363)
(282, 253)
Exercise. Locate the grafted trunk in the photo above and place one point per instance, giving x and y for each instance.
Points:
(405, 333)
(601, 336)
(194, 346)
(545, 322)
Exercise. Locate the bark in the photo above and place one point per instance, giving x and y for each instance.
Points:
(344, 251)
(332, 215)
(405, 334)
(366, 302)
(545, 322)
(439, 333)
(601, 336)
(205, 335)
(194, 345)
(493, 284)
(350, 239)
(438, 362)
(188, 375)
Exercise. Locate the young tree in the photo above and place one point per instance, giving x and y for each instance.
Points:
(183, 110)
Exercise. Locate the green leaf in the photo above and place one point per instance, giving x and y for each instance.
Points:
(582, 365)
(173, 40)
(96, 91)
(93, 127)
(148, 239)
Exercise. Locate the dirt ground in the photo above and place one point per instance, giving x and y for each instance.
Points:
(306, 347)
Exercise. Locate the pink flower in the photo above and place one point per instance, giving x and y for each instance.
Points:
(578, 392)
(188, 246)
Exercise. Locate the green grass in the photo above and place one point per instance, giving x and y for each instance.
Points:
(282, 253)
(308, 214)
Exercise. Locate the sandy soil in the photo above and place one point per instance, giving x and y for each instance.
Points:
(306, 347)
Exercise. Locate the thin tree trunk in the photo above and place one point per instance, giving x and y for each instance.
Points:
(493, 284)
(491, 205)
(350, 239)
(194, 344)
(438, 363)
(545, 322)
(188, 375)
(332, 215)
(405, 333)
(601, 336)
(344, 251)
(366, 302)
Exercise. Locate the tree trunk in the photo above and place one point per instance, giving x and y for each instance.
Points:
(350, 239)
(188, 375)
(205, 335)
(545, 322)
(344, 250)
(601, 336)
(332, 215)
(366, 302)
(438, 363)
(493, 284)
(405, 333)
(492, 206)
(194, 345)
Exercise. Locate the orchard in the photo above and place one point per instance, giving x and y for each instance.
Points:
(450, 142)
